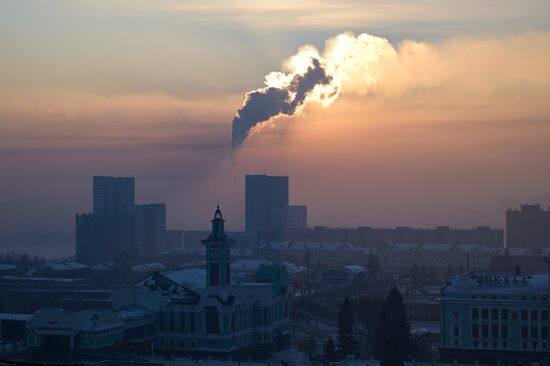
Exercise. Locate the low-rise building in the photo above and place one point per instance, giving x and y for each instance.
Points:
(491, 316)
(203, 311)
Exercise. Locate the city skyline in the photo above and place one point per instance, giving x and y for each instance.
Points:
(452, 133)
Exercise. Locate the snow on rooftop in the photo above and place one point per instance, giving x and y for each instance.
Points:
(7, 267)
(293, 268)
(355, 268)
(248, 264)
(148, 267)
(64, 266)
(301, 245)
(14, 316)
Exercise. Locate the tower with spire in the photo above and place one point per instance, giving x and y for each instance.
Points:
(217, 255)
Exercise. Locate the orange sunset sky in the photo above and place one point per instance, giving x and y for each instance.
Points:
(450, 129)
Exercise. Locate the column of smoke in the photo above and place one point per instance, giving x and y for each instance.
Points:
(348, 63)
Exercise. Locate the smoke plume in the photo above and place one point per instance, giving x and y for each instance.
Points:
(309, 77)
(367, 65)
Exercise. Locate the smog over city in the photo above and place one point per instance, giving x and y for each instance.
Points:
(274, 182)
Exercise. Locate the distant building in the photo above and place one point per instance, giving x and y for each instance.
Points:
(435, 258)
(118, 229)
(113, 195)
(105, 238)
(289, 217)
(263, 193)
(201, 311)
(287, 220)
(150, 226)
(528, 227)
(372, 236)
(173, 240)
(495, 317)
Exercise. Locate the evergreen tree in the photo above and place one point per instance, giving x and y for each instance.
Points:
(331, 355)
(346, 342)
(393, 341)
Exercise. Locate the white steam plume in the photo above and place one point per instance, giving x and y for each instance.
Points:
(348, 62)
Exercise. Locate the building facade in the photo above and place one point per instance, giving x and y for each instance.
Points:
(528, 227)
(112, 195)
(263, 193)
(495, 317)
(202, 311)
(118, 229)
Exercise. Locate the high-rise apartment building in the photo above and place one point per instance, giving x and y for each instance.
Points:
(263, 193)
(118, 229)
(528, 227)
(113, 195)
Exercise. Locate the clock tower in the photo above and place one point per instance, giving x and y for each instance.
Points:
(217, 255)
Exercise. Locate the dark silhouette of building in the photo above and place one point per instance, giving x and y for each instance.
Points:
(263, 193)
(118, 229)
(113, 195)
(150, 221)
(528, 227)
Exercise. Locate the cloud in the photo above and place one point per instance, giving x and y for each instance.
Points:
(366, 66)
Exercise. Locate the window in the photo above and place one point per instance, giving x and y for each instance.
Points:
(494, 314)
(455, 313)
(475, 313)
(534, 315)
(456, 342)
(214, 274)
(455, 331)
(485, 313)
(485, 331)
(544, 315)
(161, 321)
(504, 331)
(494, 331)
(475, 331)
(514, 315)
(192, 322)
(182, 322)
(524, 315)
(524, 332)
(534, 332)
(544, 332)
(172, 322)
(504, 344)
(211, 320)
(504, 314)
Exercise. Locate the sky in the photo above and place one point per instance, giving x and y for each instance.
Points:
(445, 120)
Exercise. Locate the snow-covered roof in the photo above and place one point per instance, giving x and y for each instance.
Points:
(293, 268)
(472, 248)
(436, 247)
(148, 267)
(14, 316)
(300, 245)
(184, 284)
(103, 267)
(248, 264)
(405, 246)
(133, 313)
(355, 268)
(73, 322)
(6, 267)
(64, 266)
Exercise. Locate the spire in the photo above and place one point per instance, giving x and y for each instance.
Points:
(218, 231)
(218, 213)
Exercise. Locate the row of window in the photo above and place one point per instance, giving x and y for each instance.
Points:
(533, 315)
(534, 345)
